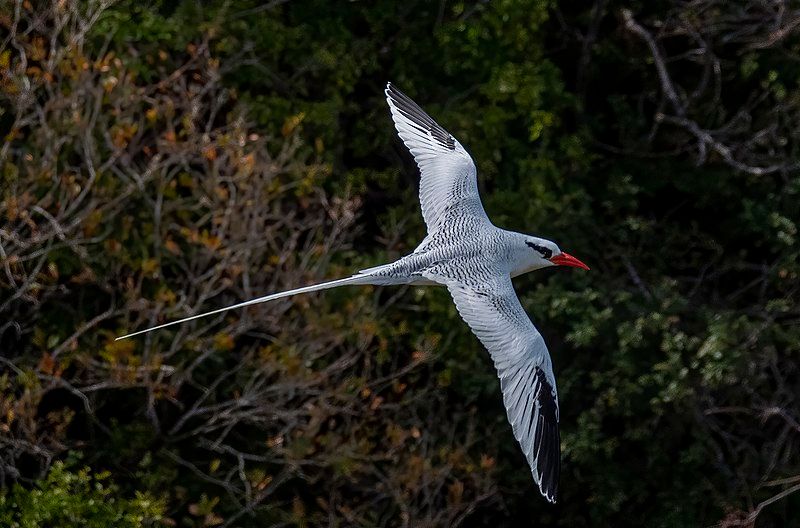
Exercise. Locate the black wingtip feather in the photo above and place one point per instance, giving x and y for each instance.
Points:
(411, 110)
(548, 441)
(549, 463)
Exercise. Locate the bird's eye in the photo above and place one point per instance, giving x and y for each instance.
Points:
(543, 251)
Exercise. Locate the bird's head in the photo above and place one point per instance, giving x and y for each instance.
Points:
(541, 253)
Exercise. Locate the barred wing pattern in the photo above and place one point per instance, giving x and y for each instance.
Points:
(448, 182)
(523, 364)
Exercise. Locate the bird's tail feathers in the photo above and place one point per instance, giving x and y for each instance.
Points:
(371, 272)
(363, 277)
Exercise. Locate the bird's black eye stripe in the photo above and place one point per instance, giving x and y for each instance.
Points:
(545, 252)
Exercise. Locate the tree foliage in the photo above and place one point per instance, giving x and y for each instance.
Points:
(79, 499)
(163, 158)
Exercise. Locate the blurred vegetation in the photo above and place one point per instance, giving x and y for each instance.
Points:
(77, 499)
(166, 157)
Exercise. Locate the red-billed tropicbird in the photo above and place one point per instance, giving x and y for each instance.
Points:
(475, 260)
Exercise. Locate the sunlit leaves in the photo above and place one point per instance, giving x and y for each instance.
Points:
(73, 497)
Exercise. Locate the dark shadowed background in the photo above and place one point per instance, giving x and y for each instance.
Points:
(162, 158)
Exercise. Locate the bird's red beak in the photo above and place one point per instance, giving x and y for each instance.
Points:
(565, 259)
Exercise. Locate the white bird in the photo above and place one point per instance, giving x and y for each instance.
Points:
(475, 260)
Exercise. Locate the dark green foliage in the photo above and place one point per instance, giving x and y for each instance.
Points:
(230, 149)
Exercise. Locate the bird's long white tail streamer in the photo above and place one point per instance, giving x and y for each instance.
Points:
(355, 279)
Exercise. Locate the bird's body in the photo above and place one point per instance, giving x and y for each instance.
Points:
(475, 260)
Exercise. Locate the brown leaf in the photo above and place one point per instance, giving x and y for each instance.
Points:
(210, 153)
(376, 402)
(46, 364)
(172, 246)
(212, 519)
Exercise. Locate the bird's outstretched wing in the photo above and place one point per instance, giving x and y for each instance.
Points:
(523, 364)
(448, 184)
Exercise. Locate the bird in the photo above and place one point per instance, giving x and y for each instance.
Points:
(475, 260)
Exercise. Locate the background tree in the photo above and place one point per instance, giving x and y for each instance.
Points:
(163, 158)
